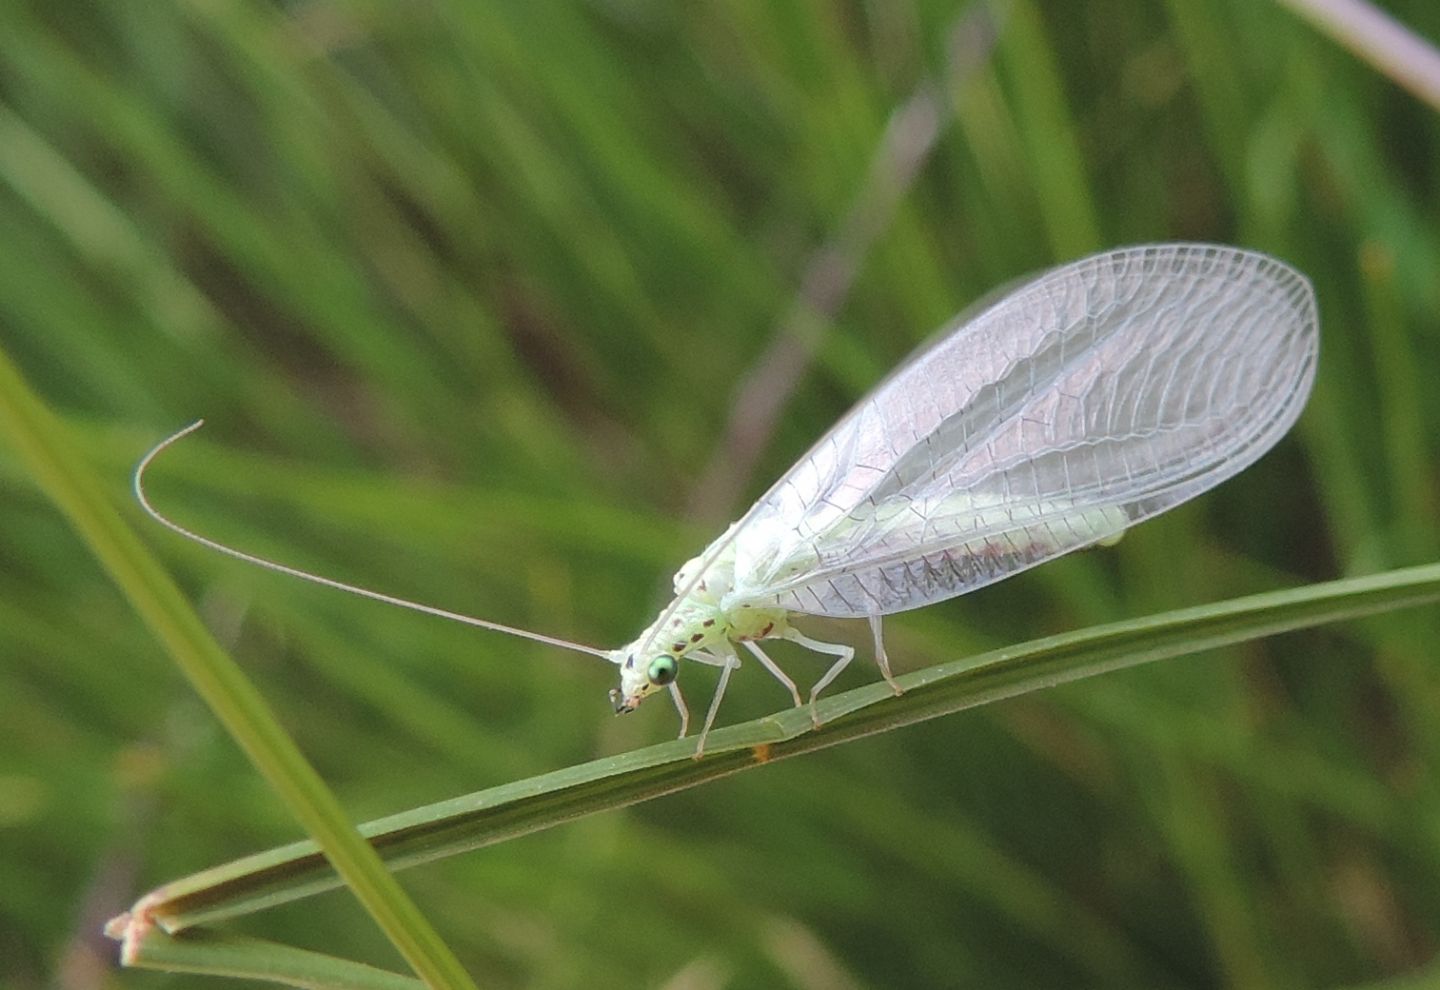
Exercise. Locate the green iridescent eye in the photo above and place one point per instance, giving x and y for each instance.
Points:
(662, 670)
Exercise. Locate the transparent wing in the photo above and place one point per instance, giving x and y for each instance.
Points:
(1094, 396)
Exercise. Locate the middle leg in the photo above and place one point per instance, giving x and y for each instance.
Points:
(843, 654)
(775, 671)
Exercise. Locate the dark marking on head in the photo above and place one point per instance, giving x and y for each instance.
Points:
(766, 631)
(697, 637)
(708, 623)
(678, 647)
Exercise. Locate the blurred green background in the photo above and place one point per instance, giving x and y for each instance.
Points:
(509, 307)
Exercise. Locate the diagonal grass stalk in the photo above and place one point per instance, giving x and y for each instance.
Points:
(40, 440)
(487, 817)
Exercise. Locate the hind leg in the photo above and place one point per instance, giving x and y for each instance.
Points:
(882, 659)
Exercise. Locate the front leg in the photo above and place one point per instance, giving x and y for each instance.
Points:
(680, 707)
(726, 663)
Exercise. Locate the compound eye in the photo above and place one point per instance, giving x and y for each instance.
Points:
(662, 670)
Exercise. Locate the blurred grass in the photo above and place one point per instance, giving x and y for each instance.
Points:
(465, 292)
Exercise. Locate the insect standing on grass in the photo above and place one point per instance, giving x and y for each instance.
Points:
(1091, 397)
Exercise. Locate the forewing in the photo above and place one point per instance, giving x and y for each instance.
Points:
(1092, 397)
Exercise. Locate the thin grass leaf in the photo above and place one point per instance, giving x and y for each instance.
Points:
(499, 813)
(221, 954)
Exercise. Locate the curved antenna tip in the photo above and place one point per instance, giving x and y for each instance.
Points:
(138, 479)
(249, 558)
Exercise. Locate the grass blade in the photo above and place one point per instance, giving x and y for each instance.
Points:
(219, 954)
(490, 816)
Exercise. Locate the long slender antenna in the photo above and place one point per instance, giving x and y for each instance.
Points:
(328, 582)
